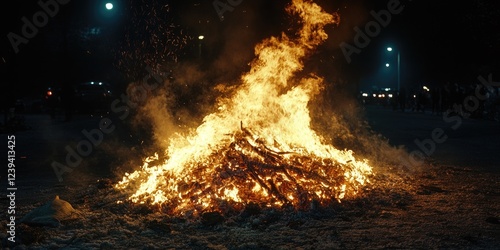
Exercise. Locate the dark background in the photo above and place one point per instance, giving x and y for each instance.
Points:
(439, 41)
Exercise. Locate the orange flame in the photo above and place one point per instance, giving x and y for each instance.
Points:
(282, 160)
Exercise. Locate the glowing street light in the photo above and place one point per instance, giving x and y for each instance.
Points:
(109, 6)
(387, 65)
(399, 66)
(201, 37)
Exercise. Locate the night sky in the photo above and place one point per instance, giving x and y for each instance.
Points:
(439, 41)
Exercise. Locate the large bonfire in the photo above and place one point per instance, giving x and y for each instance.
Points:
(258, 147)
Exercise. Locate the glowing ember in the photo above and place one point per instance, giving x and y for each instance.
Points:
(259, 146)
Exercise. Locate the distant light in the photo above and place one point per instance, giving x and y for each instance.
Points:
(374, 95)
(201, 37)
(92, 83)
(109, 6)
(387, 65)
(365, 94)
(100, 83)
(49, 93)
(426, 89)
(390, 95)
(387, 89)
(389, 48)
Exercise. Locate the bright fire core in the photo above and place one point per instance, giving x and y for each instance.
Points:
(258, 146)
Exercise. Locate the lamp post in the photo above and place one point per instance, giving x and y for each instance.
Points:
(399, 66)
(200, 39)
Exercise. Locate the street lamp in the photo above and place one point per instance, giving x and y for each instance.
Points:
(109, 6)
(200, 39)
(399, 66)
(387, 65)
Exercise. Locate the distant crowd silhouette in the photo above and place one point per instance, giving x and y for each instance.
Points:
(452, 98)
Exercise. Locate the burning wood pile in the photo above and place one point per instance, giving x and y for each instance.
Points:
(258, 147)
(248, 171)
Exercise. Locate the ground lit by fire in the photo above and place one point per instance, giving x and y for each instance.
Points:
(258, 146)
